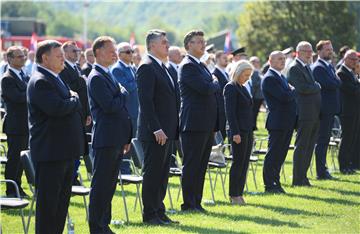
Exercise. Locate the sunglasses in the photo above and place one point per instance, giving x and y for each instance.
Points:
(127, 51)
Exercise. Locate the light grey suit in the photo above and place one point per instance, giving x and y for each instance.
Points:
(308, 98)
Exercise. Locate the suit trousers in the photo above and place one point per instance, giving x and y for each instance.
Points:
(103, 184)
(240, 164)
(349, 144)
(322, 143)
(306, 137)
(279, 141)
(53, 186)
(13, 167)
(176, 148)
(155, 178)
(196, 148)
(125, 166)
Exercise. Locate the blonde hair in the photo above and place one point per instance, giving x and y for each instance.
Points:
(238, 68)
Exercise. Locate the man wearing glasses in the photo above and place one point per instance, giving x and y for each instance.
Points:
(123, 73)
(72, 77)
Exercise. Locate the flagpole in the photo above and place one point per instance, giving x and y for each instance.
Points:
(85, 29)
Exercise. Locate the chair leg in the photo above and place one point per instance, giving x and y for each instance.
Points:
(254, 175)
(138, 196)
(179, 190)
(23, 221)
(222, 182)
(311, 165)
(30, 213)
(216, 176)
(86, 208)
(124, 200)
(283, 171)
(170, 198)
(211, 186)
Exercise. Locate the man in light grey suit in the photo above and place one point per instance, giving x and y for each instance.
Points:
(308, 99)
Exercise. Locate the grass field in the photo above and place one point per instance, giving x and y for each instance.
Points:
(326, 207)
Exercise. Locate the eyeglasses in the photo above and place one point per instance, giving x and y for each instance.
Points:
(75, 51)
(19, 56)
(199, 42)
(127, 51)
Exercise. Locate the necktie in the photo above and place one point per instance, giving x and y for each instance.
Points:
(309, 71)
(58, 79)
(284, 81)
(23, 77)
(227, 76)
(112, 78)
(205, 68)
(76, 69)
(168, 74)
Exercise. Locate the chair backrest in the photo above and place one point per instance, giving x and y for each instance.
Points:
(28, 166)
(139, 152)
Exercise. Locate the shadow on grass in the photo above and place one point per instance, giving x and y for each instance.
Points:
(348, 181)
(342, 192)
(287, 211)
(324, 199)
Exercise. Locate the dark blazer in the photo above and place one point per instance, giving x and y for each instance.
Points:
(173, 72)
(350, 93)
(330, 84)
(112, 125)
(238, 107)
(256, 79)
(281, 102)
(124, 76)
(221, 78)
(198, 110)
(54, 119)
(159, 101)
(78, 84)
(14, 96)
(307, 90)
(86, 69)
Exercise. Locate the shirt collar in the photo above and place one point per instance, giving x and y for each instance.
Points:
(106, 69)
(173, 64)
(347, 68)
(274, 70)
(324, 61)
(51, 72)
(122, 62)
(16, 71)
(70, 63)
(156, 59)
(196, 59)
(301, 62)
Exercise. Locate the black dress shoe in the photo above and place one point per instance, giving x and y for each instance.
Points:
(109, 231)
(275, 190)
(326, 176)
(155, 221)
(166, 219)
(201, 209)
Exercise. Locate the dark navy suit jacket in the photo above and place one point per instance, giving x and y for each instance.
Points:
(281, 102)
(124, 76)
(14, 96)
(238, 107)
(86, 69)
(159, 101)
(198, 111)
(112, 125)
(220, 98)
(330, 84)
(56, 131)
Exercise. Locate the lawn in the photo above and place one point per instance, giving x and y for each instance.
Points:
(326, 207)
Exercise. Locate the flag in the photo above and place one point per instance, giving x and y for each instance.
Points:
(132, 39)
(227, 43)
(33, 42)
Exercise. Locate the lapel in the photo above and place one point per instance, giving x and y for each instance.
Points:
(202, 69)
(72, 70)
(307, 74)
(243, 92)
(351, 76)
(164, 75)
(220, 75)
(107, 76)
(19, 83)
(63, 90)
(327, 69)
(280, 79)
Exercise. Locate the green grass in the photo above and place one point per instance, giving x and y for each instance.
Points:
(326, 207)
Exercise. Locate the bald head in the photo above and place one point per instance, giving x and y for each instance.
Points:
(350, 59)
(175, 54)
(277, 60)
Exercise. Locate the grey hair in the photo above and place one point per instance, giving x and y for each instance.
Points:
(301, 44)
(238, 68)
(120, 47)
(152, 36)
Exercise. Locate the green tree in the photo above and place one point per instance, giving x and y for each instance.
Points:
(268, 26)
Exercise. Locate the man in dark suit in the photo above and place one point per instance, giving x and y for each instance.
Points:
(72, 77)
(308, 99)
(124, 73)
(324, 73)
(87, 67)
(158, 125)
(175, 59)
(198, 116)
(280, 123)
(13, 86)
(223, 78)
(350, 114)
(55, 137)
(111, 133)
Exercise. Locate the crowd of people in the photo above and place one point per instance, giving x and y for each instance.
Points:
(172, 102)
